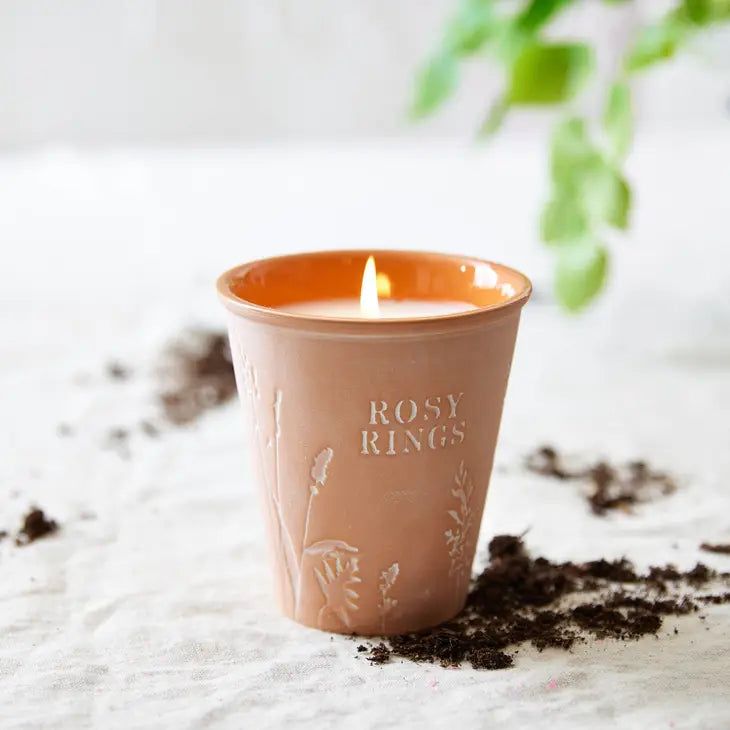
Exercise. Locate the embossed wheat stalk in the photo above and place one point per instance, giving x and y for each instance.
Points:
(387, 604)
(250, 379)
(457, 537)
(319, 479)
(318, 474)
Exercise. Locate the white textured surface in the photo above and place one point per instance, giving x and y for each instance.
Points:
(155, 614)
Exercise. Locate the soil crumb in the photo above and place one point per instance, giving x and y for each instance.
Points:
(35, 526)
(117, 439)
(149, 429)
(612, 487)
(716, 548)
(198, 376)
(518, 599)
(116, 370)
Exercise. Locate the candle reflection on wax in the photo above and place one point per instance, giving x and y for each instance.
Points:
(372, 306)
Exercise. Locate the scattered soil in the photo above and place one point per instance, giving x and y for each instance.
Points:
(720, 549)
(518, 598)
(35, 526)
(199, 376)
(149, 429)
(117, 439)
(546, 462)
(612, 487)
(116, 370)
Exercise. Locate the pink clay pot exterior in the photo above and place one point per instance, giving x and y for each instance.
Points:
(373, 534)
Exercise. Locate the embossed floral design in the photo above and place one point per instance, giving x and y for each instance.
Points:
(457, 537)
(338, 573)
(251, 387)
(318, 472)
(337, 578)
(385, 584)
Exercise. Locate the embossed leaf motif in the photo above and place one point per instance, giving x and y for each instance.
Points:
(457, 537)
(387, 581)
(387, 577)
(337, 578)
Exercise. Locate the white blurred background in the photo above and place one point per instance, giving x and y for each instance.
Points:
(221, 72)
(174, 138)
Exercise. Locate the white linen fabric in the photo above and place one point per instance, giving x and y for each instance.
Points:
(151, 609)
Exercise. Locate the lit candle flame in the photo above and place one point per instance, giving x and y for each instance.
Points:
(369, 304)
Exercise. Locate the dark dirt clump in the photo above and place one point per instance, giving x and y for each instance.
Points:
(611, 487)
(715, 548)
(545, 461)
(198, 376)
(379, 654)
(518, 599)
(717, 599)
(116, 370)
(35, 526)
(700, 574)
(149, 429)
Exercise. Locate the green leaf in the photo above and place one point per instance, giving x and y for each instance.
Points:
(658, 42)
(619, 204)
(473, 25)
(703, 12)
(509, 42)
(581, 173)
(580, 274)
(495, 117)
(707, 11)
(603, 194)
(549, 73)
(537, 13)
(434, 85)
(698, 11)
(570, 148)
(663, 39)
(617, 119)
(563, 220)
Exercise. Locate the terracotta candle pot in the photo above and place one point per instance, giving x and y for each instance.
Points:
(374, 437)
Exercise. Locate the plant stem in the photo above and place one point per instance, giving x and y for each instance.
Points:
(298, 593)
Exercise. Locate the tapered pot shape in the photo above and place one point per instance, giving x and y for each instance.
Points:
(374, 440)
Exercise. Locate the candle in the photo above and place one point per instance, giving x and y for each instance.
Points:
(373, 424)
(389, 308)
(373, 303)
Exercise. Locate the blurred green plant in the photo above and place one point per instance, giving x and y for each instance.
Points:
(589, 194)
